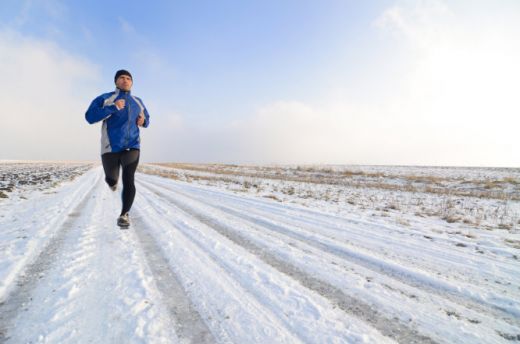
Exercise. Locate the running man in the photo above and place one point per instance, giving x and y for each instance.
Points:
(122, 114)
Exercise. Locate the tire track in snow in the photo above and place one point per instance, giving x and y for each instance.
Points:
(281, 309)
(259, 293)
(472, 321)
(306, 217)
(33, 272)
(357, 230)
(388, 327)
(392, 270)
(229, 310)
(189, 325)
(96, 288)
(398, 273)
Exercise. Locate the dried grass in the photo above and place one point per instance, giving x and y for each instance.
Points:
(412, 183)
(453, 204)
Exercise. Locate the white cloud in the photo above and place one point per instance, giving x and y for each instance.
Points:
(456, 103)
(295, 132)
(166, 138)
(44, 92)
(285, 132)
(460, 89)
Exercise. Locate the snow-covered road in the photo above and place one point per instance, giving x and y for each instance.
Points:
(204, 265)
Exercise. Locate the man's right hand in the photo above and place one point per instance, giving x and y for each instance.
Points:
(120, 104)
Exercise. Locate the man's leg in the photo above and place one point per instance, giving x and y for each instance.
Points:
(111, 166)
(129, 161)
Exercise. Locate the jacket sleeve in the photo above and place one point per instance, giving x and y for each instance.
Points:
(146, 115)
(96, 112)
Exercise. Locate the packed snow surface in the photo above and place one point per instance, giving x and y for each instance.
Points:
(211, 264)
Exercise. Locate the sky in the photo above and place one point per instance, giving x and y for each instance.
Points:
(268, 82)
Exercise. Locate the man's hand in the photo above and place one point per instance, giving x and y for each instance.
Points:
(120, 104)
(140, 121)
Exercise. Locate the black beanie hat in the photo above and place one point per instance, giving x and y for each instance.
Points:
(122, 72)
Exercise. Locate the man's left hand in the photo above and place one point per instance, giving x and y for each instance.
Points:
(140, 121)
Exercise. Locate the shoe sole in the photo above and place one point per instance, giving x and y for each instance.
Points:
(123, 225)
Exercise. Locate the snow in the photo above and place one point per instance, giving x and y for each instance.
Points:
(207, 260)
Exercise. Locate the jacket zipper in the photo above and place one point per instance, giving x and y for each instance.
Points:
(128, 122)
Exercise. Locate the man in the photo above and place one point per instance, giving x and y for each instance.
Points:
(122, 114)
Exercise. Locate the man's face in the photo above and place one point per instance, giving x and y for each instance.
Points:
(124, 83)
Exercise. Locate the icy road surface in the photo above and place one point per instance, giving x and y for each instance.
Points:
(202, 265)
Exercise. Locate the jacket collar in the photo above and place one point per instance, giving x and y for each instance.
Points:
(122, 92)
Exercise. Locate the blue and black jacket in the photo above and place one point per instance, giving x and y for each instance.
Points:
(119, 130)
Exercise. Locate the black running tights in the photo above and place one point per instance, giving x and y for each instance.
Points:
(128, 159)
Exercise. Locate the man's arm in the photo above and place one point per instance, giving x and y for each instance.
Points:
(96, 112)
(146, 121)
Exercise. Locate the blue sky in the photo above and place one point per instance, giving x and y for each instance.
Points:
(375, 82)
(210, 57)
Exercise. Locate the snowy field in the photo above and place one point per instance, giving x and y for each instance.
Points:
(260, 254)
(487, 198)
(18, 178)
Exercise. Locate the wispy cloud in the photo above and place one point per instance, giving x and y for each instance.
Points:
(54, 9)
(145, 54)
(126, 27)
(423, 23)
(23, 15)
